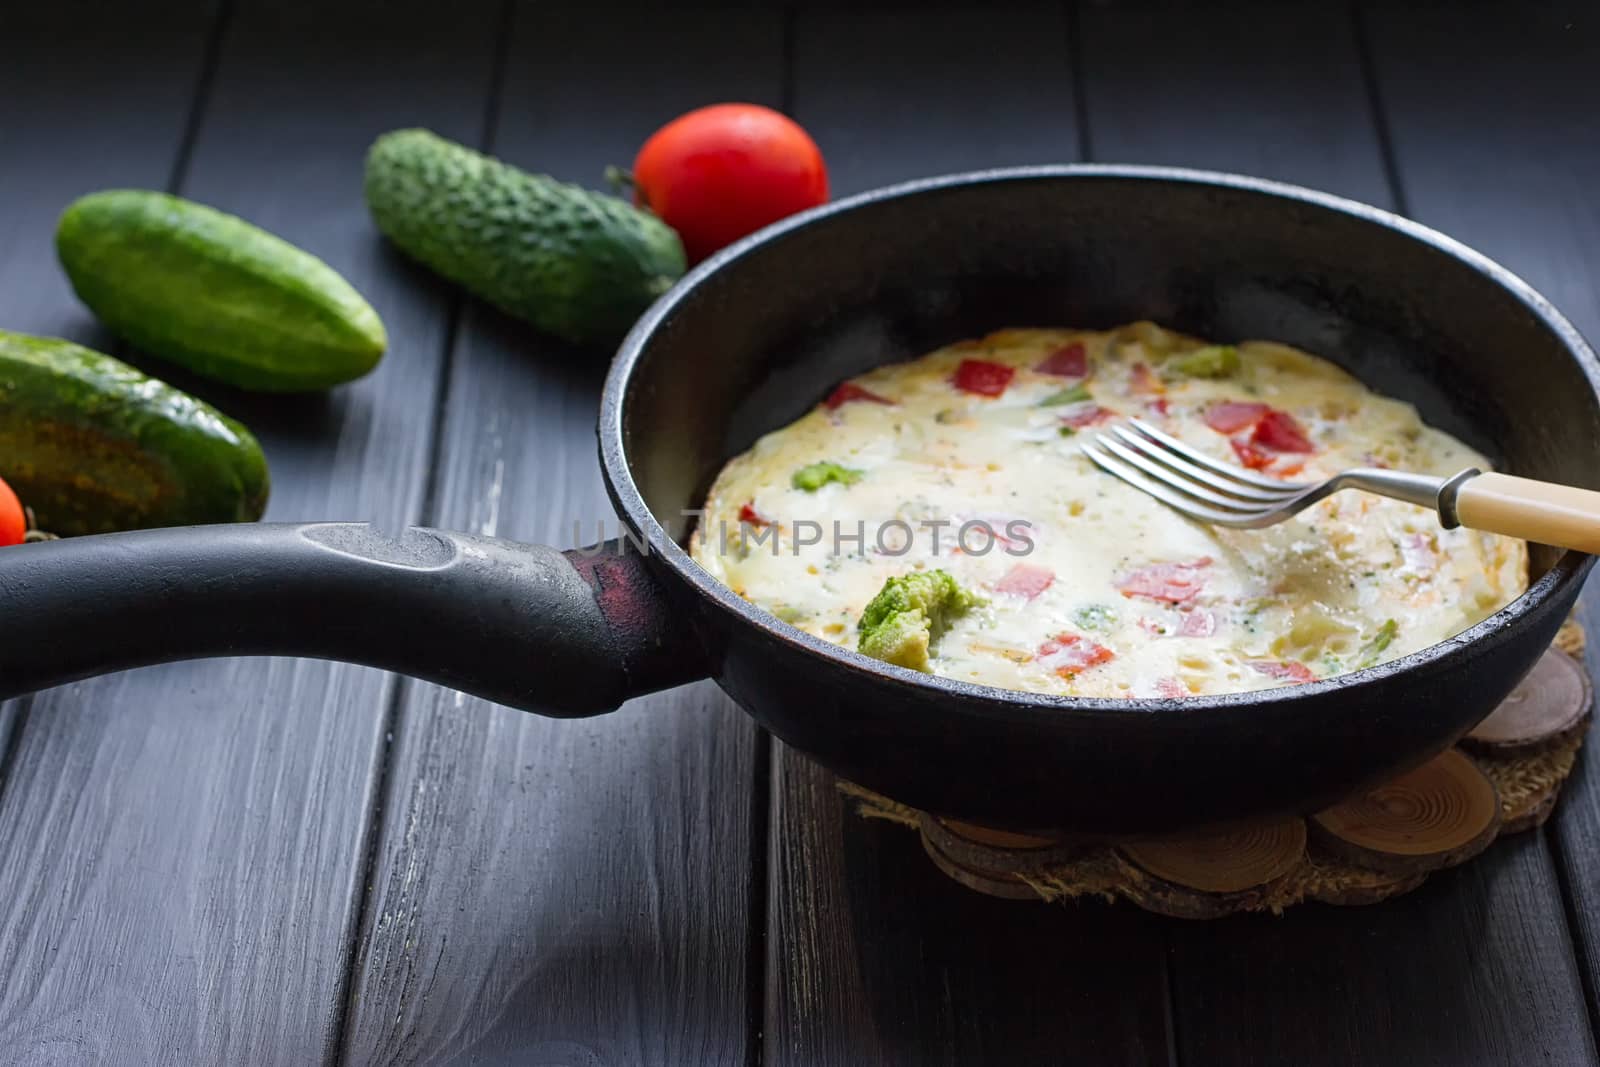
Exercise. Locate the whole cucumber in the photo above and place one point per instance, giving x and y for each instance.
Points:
(215, 294)
(93, 446)
(577, 264)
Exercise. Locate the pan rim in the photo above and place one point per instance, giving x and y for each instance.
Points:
(994, 702)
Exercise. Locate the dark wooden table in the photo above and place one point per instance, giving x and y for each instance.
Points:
(289, 862)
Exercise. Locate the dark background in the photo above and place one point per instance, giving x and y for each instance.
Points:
(277, 861)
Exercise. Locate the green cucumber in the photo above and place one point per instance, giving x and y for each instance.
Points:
(93, 446)
(212, 293)
(576, 264)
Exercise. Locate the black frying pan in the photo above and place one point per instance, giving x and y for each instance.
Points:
(756, 336)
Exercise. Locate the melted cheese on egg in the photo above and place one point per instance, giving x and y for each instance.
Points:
(969, 460)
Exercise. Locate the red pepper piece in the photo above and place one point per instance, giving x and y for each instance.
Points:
(749, 514)
(845, 392)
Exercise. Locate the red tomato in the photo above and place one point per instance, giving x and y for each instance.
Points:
(1069, 361)
(749, 514)
(13, 522)
(1250, 455)
(1279, 431)
(983, 378)
(848, 391)
(727, 170)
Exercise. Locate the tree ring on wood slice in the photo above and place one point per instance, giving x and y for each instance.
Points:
(989, 883)
(1438, 815)
(1229, 861)
(986, 849)
(1545, 708)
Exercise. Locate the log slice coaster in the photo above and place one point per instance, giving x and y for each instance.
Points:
(1505, 777)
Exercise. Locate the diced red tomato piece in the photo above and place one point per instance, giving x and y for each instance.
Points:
(1284, 670)
(1198, 624)
(845, 392)
(749, 514)
(1250, 455)
(1231, 416)
(1068, 361)
(1144, 380)
(1158, 406)
(983, 378)
(1071, 654)
(1025, 580)
(1080, 415)
(1280, 432)
(1171, 688)
(1170, 583)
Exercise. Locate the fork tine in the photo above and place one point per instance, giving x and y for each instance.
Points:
(1168, 458)
(1177, 501)
(1174, 480)
(1227, 470)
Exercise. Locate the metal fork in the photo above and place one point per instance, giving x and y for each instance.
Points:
(1223, 494)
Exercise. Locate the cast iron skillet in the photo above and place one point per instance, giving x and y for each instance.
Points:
(755, 337)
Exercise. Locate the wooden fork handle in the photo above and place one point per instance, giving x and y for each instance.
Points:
(1550, 514)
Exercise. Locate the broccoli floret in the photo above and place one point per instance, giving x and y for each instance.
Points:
(1215, 361)
(909, 614)
(820, 474)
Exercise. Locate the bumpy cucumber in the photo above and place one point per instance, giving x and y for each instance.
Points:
(215, 294)
(574, 263)
(92, 445)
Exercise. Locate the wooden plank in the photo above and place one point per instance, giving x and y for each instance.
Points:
(1494, 143)
(872, 954)
(1415, 980)
(1272, 90)
(181, 847)
(47, 161)
(566, 891)
(891, 97)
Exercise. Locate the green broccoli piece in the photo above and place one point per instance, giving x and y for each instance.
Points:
(1214, 361)
(1075, 395)
(909, 614)
(817, 475)
(1370, 651)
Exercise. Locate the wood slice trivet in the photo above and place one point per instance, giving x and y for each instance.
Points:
(1504, 777)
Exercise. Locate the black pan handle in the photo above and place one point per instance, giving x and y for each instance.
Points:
(563, 634)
